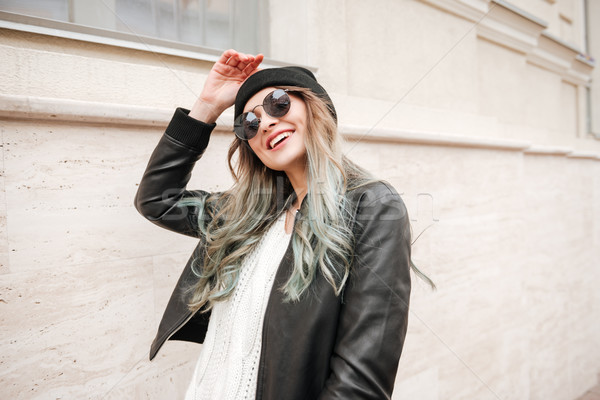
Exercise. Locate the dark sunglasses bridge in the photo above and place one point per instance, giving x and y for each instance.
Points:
(276, 104)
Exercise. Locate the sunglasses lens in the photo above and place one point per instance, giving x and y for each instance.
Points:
(277, 103)
(246, 126)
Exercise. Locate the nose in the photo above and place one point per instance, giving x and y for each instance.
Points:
(267, 122)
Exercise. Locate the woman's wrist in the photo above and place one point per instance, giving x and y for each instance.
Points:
(205, 111)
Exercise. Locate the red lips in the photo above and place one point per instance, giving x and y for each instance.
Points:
(274, 135)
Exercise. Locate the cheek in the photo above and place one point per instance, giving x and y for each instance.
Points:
(254, 144)
(256, 148)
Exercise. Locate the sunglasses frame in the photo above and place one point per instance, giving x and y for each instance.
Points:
(238, 124)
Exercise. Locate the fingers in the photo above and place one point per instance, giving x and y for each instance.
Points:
(231, 57)
(227, 54)
(241, 61)
(257, 60)
(252, 66)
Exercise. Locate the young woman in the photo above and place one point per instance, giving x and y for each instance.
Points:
(299, 286)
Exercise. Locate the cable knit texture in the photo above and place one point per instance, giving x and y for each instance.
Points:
(228, 364)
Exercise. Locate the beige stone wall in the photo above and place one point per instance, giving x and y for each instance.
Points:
(594, 48)
(473, 110)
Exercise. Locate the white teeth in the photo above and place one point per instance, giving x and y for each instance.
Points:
(279, 138)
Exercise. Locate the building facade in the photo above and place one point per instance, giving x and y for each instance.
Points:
(483, 114)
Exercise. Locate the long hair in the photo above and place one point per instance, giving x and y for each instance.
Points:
(233, 222)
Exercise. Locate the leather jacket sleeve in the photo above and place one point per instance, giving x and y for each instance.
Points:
(374, 315)
(163, 184)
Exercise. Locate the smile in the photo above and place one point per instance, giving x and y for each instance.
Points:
(278, 139)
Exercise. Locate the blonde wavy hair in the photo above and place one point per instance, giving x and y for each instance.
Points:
(233, 222)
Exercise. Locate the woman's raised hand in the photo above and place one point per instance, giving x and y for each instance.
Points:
(223, 83)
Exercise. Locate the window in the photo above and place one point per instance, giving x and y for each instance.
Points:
(217, 24)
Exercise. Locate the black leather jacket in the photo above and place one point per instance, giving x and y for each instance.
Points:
(323, 346)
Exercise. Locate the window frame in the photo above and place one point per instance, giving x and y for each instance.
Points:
(68, 30)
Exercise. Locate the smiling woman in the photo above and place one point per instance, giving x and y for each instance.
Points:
(280, 144)
(300, 283)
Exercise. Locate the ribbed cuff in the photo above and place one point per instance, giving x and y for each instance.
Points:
(189, 131)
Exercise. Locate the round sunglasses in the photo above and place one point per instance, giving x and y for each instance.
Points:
(276, 104)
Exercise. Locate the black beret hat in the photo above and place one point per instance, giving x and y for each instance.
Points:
(284, 76)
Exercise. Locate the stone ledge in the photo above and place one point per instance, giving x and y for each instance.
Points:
(548, 150)
(510, 26)
(552, 54)
(18, 108)
(584, 154)
(67, 110)
(504, 24)
(430, 138)
(471, 10)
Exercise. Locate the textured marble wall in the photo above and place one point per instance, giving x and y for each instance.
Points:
(515, 256)
(510, 239)
(85, 278)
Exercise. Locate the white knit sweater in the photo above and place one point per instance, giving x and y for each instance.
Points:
(228, 364)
